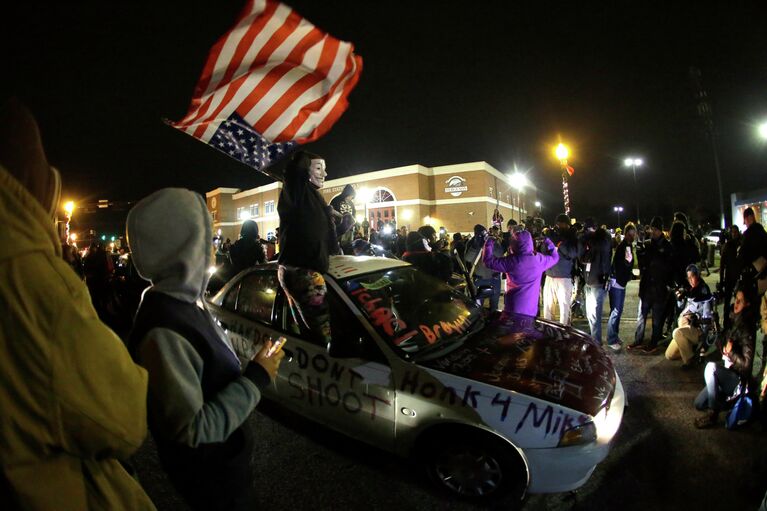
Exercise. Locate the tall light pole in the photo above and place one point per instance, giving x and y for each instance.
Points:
(763, 131)
(518, 181)
(69, 209)
(562, 153)
(634, 163)
(619, 211)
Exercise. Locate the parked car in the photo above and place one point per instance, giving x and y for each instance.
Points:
(714, 237)
(489, 406)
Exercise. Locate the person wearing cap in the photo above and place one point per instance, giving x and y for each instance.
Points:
(656, 277)
(697, 296)
(594, 251)
(558, 287)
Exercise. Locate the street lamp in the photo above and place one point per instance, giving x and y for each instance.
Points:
(634, 163)
(539, 207)
(562, 152)
(763, 131)
(619, 211)
(518, 181)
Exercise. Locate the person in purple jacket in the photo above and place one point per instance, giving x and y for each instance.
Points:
(523, 268)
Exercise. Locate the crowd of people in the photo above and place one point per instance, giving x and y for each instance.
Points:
(78, 400)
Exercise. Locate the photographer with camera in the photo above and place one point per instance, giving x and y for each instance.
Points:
(697, 306)
(594, 251)
(656, 276)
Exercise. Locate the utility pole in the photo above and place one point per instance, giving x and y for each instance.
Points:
(704, 111)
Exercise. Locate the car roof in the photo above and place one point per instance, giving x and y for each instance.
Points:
(344, 266)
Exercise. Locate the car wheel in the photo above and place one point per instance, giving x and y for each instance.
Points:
(476, 467)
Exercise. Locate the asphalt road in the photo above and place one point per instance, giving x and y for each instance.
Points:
(658, 459)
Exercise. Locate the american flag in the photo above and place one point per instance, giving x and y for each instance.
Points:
(274, 81)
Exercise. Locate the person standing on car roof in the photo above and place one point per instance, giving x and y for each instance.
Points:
(343, 204)
(482, 275)
(309, 230)
(523, 270)
(199, 397)
(72, 402)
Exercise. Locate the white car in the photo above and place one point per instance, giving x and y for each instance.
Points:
(511, 404)
(714, 236)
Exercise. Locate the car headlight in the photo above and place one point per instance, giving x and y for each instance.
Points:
(578, 435)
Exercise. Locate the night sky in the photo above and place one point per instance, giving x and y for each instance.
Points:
(443, 83)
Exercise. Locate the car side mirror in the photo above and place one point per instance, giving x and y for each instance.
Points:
(342, 348)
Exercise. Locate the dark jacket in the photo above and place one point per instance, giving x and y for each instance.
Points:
(655, 269)
(307, 232)
(343, 203)
(567, 247)
(683, 254)
(729, 269)
(247, 251)
(753, 246)
(594, 249)
(742, 333)
(623, 264)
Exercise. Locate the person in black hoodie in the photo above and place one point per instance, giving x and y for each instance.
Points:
(199, 396)
(622, 273)
(343, 204)
(309, 230)
(420, 255)
(656, 277)
(247, 251)
(594, 249)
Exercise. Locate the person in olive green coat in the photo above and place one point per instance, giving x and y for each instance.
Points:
(72, 402)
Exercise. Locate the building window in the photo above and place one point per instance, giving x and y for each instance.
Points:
(254, 210)
(268, 207)
(239, 213)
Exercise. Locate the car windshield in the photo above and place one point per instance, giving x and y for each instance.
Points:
(413, 311)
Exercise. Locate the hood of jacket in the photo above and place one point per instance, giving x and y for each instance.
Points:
(348, 191)
(522, 243)
(169, 234)
(249, 229)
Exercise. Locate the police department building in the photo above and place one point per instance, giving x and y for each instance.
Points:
(455, 197)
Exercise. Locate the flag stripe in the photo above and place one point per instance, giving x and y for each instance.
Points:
(308, 122)
(294, 92)
(217, 62)
(274, 80)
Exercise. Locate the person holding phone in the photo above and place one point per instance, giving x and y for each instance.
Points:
(199, 396)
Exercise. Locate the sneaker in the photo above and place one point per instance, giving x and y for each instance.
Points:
(634, 346)
(616, 346)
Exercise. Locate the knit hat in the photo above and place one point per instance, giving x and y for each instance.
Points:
(657, 223)
(693, 269)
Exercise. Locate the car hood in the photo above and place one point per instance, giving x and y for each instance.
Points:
(537, 358)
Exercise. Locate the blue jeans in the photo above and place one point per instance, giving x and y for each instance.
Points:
(658, 308)
(720, 384)
(496, 285)
(617, 298)
(595, 299)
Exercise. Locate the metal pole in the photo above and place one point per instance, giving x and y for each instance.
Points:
(718, 176)
(636, 190)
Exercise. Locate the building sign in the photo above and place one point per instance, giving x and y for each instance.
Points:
(456, 185)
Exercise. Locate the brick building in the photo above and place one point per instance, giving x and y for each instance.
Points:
(456, 197)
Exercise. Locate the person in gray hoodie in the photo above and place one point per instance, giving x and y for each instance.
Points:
(199, 397)
(559, 278)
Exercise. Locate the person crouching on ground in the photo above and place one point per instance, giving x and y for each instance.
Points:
(738, 357)
(697, 297)
(523, 268)
(199, 398)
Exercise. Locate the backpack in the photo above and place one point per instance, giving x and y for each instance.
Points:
(741, 412)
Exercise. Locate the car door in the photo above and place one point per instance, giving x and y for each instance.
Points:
(247, 311)
(352, 394)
